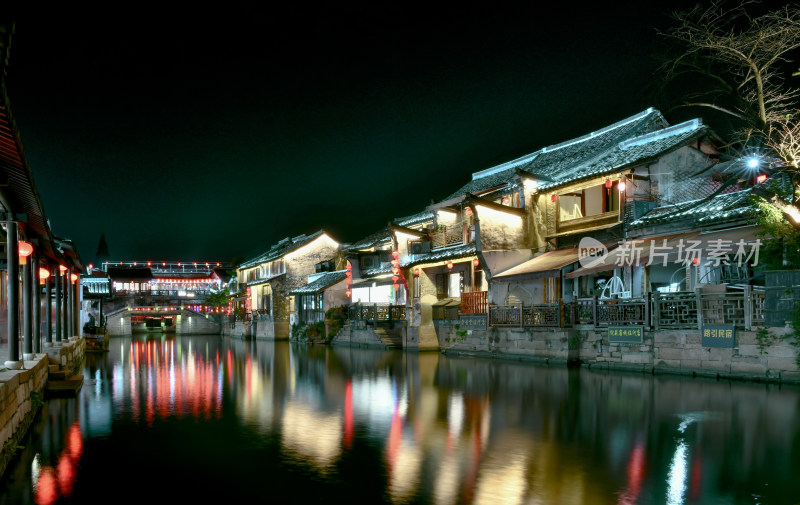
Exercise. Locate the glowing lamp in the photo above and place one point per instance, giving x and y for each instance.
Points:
(553, 198)
(449, 265)
(134, 263)
(43, 275)
(475, 262)
(73, 278)
(348, 293)
(195, 263)
(91, 266)
(608, 184)
(396, 285)
(396, 271)
(179, 263)
(761, 178)
(395, 263)
(348, 273)
(25, 250)
(395, 278)
(149, 263)
(753, 163)
(696, 261)
(62, 268)
(621, 186)
(416, 272)
(395, 254)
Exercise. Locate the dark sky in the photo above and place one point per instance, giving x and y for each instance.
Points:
(211, 136)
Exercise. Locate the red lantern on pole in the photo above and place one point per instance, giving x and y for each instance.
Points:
(43, 275)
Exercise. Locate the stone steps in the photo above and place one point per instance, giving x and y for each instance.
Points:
(391, 341)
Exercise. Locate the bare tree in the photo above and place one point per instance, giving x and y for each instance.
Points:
(738, 64)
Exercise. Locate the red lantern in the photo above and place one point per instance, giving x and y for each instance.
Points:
(761, 178)
(73, 278)
(475, 262)
(395, 254)
(62, 268)
(416, 272)
(43, 274)
(553, 198)
(449, 265)
(348, 273)
(25, 250)
(396, 271)
(395, 278)
(348, 293)
(396, 286)
(395, 263)
(608, 183)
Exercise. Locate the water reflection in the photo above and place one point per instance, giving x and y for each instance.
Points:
(250, 420)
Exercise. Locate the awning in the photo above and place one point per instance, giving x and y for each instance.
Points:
(548, 264)
(637, 252)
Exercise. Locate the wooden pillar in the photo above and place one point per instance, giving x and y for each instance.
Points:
(57, 281)
(27, 319)
(12, 248)
(37, 305)
(48, 309)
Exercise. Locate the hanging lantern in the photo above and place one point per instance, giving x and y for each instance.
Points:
(416, 272)
(506, 200)
(396, 286)
(396, 271)
(25, 250)
(395, 278)
(608, 183)
(134, 263)
(73, 278)
(553, 198)
(476, 262)
(43, 275)
(449, 265)
(348, 293)
(621, 186)
(91, 267)
(469, 211)
(348, 273)
(761, 178)
(62, 268)
(149, 263)
(395, 254)
(395, 263)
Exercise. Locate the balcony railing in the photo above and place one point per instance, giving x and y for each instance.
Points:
(451, 234)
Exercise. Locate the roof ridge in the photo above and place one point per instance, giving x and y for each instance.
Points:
(554, 147)
(686, 126)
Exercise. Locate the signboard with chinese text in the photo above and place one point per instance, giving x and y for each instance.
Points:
(719, 335)
(632, 334)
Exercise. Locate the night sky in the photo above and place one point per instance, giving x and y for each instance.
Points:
(212, 136)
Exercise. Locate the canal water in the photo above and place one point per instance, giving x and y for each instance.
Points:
(213, 420)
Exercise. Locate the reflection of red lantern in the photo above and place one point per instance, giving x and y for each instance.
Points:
(449, 265)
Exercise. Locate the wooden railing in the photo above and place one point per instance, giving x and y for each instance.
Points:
(376, 312)
(475, 302)
(525, 316)
(451, 234)
(742, 309)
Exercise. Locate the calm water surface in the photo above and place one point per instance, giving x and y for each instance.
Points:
(174, 419)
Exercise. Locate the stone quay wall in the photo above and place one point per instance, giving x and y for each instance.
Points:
(22, 393)
(661, 351)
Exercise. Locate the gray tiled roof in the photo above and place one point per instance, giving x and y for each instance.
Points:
(446, 253)
(421, 217)
(283, 247)
(323, 281)
(621, 144)
(701, 212)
